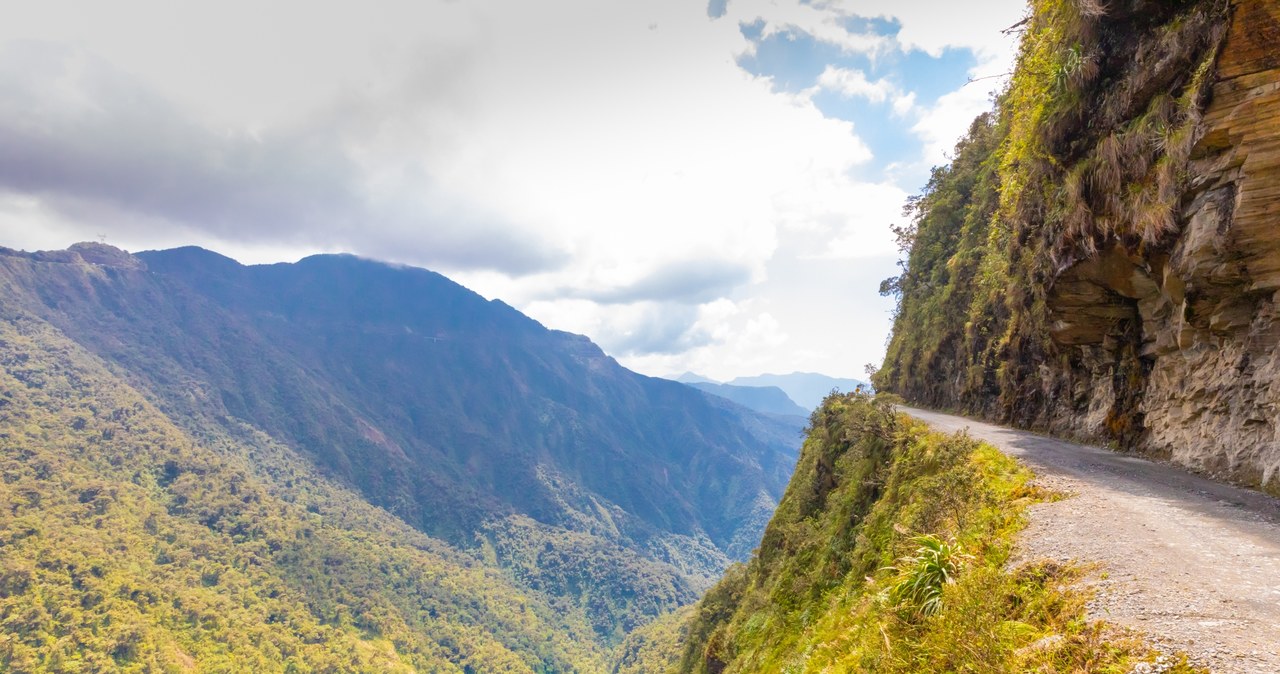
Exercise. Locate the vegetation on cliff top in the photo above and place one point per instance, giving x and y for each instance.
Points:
(890, 552)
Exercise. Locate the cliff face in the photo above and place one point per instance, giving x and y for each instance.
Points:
(1213, 394)
(1115, 248)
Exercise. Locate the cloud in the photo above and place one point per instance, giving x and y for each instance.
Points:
(659, 331)
(853, 83)
(941, 125)
(634, 330)
(484, 141)
(96, 146)
(927, 25)
(726, 337)
(932, 26)
(569, 156)
(681, 282)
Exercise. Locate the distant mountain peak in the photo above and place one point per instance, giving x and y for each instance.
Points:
(806, 388)
(104, 254)
(695, 378)
(191, 257)
(86, 251)
(766, 399)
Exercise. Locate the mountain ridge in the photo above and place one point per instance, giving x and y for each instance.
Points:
(432, 403)
(807, 389)
(764, 399)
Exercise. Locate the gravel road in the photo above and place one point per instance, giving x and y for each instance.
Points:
(1194, 564)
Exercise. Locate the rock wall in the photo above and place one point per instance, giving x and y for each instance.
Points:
(1188, 330)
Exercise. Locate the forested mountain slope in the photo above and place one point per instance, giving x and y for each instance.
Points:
(1101, 257)
(133, 545)
(571, 485)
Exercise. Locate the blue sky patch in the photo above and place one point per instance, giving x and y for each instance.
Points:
(879, 25)
(931, 77)
(887, 135)
(795, 60)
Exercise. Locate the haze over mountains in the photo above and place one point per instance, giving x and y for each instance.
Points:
(804, 389)
(598, 494)
(765, 399)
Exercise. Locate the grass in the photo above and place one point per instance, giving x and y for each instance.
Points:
(891, 552)
(923, 576)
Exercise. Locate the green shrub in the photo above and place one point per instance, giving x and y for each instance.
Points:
(922, 575)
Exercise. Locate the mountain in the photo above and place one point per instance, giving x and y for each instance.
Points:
(133, 544)
(1101, 258)
(807, 389)
(765, 399)
(695, 378)
(427, 477)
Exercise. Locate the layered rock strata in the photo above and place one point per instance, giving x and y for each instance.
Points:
(1188, 330)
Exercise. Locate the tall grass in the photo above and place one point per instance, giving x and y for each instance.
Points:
(892, 552)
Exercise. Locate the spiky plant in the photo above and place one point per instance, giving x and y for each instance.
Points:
(921, 576)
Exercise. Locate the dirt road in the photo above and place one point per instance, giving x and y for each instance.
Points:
(1192, 563)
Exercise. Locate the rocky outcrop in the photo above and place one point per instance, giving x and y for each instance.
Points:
(1188, 330)
(1102, 257)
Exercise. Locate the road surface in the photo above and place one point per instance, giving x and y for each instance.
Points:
(1192, 563)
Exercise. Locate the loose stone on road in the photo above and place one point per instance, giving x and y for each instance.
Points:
(1194, 564)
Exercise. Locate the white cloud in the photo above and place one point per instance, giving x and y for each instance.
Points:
(943, 123)
(932, 26)
(589, 148)
(904, 104)
(853, 83)
(728, 337)
(620, 133)
(824, 22)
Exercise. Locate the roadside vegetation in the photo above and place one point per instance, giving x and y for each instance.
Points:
(891, 552)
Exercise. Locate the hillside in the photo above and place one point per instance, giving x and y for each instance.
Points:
(891, 552)
(1099, 260)
(131, 544)
(542, 478)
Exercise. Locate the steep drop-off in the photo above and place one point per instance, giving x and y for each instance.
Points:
(890, 552)
(1102, 259)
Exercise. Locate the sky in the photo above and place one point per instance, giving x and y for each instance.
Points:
(697, 187)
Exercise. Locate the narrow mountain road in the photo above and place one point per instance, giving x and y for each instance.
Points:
(1194, 564)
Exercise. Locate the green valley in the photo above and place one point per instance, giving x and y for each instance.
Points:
(342, 465)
